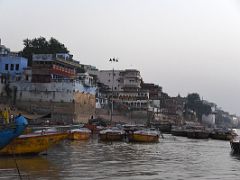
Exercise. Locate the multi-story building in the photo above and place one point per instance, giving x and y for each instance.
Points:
(130, 80)
(126, 87)
(119, 80)
(86, 79)
(110, 78)
(209, 119)
(53, 86)
(155, 91)
(11, 67)
(48, 67)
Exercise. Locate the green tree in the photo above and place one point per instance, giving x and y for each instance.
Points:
(195, 104)
(41, 46)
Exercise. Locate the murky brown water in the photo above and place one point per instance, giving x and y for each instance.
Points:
(172, 158)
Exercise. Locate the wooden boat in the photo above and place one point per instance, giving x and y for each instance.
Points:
(79, 134)
(112, 134)
(11, 131)
(164, 127)
(191, 130)
(145, 135)
(198, 134)
(94, 128)
(33, 143)
(179, 131)
(220, 134)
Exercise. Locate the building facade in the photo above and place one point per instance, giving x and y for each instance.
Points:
(11, 68)
(46, 67)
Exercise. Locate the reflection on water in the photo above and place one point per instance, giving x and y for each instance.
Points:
(30, 167)
(172, 158)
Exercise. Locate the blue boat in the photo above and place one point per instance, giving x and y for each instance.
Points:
(11, 131)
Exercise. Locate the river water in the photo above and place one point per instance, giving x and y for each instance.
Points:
(171, 158)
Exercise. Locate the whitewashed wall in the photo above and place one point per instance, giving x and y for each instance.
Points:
(55, 91)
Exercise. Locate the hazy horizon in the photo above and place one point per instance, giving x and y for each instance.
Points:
(183, 45)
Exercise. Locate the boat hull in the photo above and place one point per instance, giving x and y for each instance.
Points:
(219, 136)
(198, 134)
(10, 132)
(32, 144)
(79, 136)
(111, 136)
(182, 133)
(143, 138)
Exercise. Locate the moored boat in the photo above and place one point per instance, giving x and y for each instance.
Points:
(33, 143)
(79, 134)
(11, 131)
(220, 134)
(198, 134)
(112, 134)
(144, 135)
(179, 131)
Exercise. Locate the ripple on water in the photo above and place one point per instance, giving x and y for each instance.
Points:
(172, 158)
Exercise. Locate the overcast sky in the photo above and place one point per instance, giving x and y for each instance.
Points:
(183, 45)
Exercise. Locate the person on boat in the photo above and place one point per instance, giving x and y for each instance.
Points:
(6, 116)
(11, 118)
(1, 116)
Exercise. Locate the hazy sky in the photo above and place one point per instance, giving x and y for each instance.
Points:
(183, 45)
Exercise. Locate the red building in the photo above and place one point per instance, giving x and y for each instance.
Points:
(49, 67)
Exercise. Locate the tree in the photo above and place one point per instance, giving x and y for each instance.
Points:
(41, 46)
(195, 104)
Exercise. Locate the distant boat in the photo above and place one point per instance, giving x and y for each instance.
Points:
(144, 135)
(11, 131)
(191, 130)
(198, 134)
(221, 134)
(79, 134)
(112, 134)
(33, 143)
(179, 131)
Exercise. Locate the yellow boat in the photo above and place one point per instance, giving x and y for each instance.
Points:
(79, 134)
(33, 143)
(146, 136)
(111, 134)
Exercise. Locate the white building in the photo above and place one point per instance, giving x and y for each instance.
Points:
(130, 80)
(108, 77)
(85, 78)
(120, 80)
(209, 119)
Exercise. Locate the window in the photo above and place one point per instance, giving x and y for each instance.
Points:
(12, 67)
(17, 67)
(6, 67)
